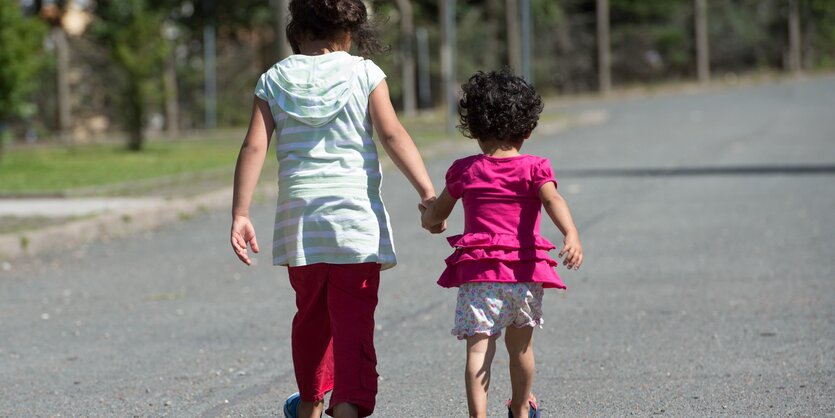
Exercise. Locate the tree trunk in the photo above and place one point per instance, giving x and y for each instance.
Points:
(2, 139)
(135, 114)
(702, 44)
(407, 37)
(604, 58)
(514, 42)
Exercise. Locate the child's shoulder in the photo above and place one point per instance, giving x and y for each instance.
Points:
(463, 163)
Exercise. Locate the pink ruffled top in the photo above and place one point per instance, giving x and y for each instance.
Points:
(501, 241)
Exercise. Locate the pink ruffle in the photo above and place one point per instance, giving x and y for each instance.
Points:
(488, 240)
(485, 257)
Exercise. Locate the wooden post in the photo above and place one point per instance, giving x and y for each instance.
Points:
(794, 36)
(702, 43)
(604, 59)
(407, 56)
(514, 42)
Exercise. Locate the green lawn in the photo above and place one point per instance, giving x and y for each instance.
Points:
(110, 169)
(45, 170)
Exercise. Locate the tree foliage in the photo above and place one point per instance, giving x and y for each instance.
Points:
(651, 41)
(132, 32)
(21, 44)
(21, 41)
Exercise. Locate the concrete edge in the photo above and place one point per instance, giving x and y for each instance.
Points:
(108, 225)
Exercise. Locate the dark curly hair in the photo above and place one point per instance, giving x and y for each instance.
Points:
(498, 106)
(324, 19)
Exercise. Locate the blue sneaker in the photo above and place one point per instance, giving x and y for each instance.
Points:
(533, 412)
(291, 405)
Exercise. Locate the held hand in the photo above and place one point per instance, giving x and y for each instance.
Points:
(573, 252)
(243, 233)
(434, 229)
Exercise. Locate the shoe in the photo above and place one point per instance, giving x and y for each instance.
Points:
(533, 412)
(291, 405)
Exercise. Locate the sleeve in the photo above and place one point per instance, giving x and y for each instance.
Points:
(454, 179)
(374, 75)
(261, 88)
(542, 174)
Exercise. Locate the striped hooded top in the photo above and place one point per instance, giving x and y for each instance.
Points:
(329, 206)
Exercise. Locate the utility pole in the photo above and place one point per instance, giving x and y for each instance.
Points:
(407, 58)
(514, 44)
(702, 43)
(604, 58)
(448, 45)
(794, 36)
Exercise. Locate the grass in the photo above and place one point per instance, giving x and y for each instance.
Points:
(13, 224)
(168, 167)
(54, 170)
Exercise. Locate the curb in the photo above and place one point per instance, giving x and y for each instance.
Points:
(124, 222)
(109, 225)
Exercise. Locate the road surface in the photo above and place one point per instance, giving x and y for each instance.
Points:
(708, 224)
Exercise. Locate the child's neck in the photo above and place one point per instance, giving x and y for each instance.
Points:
(493, 148)
(324, 46)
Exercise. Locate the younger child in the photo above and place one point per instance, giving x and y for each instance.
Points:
(501, 263)
(331, 228)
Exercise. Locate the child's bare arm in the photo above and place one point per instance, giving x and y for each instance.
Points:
(557, 208)
(397, 142)
(437, 211)
(248, 169)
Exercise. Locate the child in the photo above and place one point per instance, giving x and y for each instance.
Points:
(501, 263)
(331, 228)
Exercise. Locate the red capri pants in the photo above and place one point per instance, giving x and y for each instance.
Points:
(333, 333)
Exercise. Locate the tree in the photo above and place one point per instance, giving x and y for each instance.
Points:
(133, 33)
(21, 41)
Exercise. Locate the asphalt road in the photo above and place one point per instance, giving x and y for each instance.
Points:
(708, 222)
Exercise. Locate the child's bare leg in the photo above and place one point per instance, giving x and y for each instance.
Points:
(480, 352)
(519, 342)
(310, 409)
(345, 410)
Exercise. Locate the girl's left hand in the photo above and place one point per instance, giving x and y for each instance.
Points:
(573, 252)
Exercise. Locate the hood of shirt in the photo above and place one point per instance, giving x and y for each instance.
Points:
(315, 88)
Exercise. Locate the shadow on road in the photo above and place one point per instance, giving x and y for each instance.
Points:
(827, 169)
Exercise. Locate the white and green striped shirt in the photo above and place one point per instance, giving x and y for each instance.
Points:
(329, 206)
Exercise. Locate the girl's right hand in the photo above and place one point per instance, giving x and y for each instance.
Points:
(573, 252)
(243, 234)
